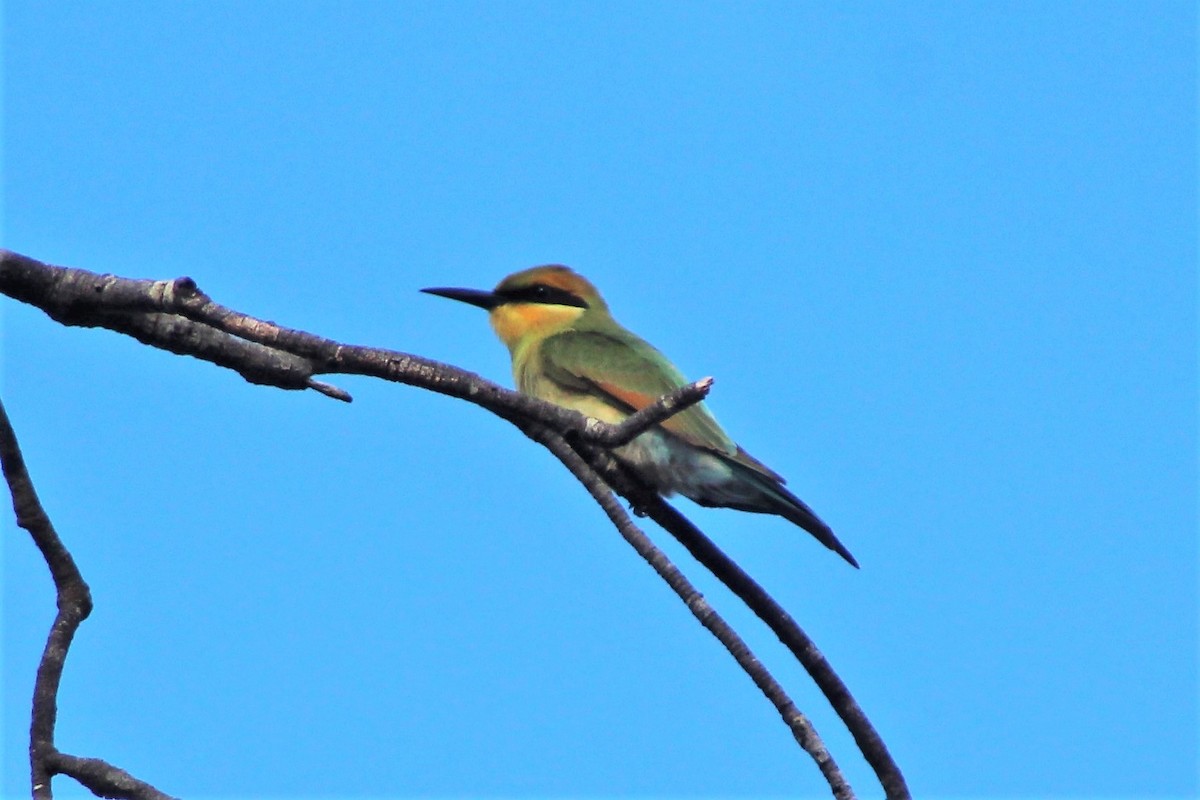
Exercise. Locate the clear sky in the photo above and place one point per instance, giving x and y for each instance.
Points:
(940, 257)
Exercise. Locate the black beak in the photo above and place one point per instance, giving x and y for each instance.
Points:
(488, 300)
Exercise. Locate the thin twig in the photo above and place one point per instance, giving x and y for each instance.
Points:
(606, 435)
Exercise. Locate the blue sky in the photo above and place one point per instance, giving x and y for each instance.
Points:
(940, 257)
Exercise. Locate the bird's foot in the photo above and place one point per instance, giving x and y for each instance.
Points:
(638, 511)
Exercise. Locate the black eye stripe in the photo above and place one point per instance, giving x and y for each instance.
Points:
(542, 294)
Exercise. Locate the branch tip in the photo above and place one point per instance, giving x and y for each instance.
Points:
(656, 413)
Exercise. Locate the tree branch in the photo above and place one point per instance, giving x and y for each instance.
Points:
(765, 607)
(103, 779)
(789, 632)
(141, 309)
(796, 721)
(177, 316)
(74, 605)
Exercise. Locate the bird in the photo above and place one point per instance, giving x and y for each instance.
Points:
(567, 349)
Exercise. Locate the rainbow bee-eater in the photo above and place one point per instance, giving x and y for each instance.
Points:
(567, 349)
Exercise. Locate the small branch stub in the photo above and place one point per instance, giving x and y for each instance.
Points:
(329, 390)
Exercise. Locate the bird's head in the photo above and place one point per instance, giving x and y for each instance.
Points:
(533, 303)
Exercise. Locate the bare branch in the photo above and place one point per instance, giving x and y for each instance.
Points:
(103, 779)
(74, 605)
(749, 591)
(138, 309)
(784, 626)
(796, 721)
(177, 316)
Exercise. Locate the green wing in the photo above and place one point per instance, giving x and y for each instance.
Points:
(632, 374)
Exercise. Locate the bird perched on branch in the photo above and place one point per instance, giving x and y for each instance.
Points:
(567, 349)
